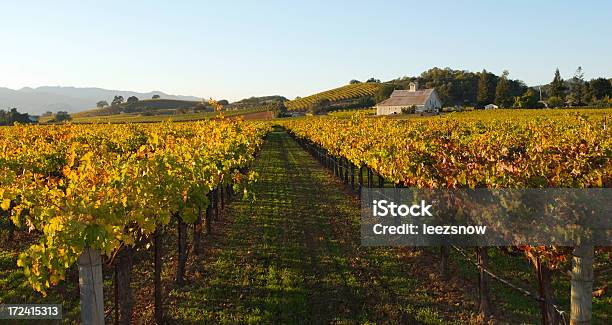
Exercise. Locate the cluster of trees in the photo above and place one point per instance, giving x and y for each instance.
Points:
(118, 100)
(460, 87)
(252, 102)
(355, 81)
(61, 116)
(12, 116)
(578, 92)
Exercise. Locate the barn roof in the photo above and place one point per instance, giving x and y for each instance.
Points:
(407, 98)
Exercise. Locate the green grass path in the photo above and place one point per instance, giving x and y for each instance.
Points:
(293, 257)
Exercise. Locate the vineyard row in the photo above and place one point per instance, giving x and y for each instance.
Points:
(83, 192)
(447, 153)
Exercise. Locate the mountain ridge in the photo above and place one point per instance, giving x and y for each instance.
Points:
(69, 98)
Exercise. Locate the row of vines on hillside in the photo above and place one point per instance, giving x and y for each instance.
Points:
(338, 94)
(561, 150)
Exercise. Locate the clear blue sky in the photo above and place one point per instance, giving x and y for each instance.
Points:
(252, 48)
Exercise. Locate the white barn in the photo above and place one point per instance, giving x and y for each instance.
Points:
(424, 100)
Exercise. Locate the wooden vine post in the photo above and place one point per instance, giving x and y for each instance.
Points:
(444, 255)
(360, 178)
(444, 267)
(352, 176)
(343, 170)
(336, 167)
(222, 196)
(484, 303)
(346, 171)
(322, 153)
(216, 203)
(116, 293)
(124, 263)
(209, 214)
(157, 253)
(582, 285)
(182, 250)
(546, 292)
(197, 232)
(91, 287)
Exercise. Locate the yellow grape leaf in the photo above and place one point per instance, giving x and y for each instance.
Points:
(6, 204)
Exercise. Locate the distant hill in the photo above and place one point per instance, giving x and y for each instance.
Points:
(153, 110)
(148, 107)
(350, 96)
(257, 101)
(72, 99)
(151, 107)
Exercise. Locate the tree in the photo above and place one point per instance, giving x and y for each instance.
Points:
(383, 92)
(600, 88)
(132, 99)
(453, 86)
(557, 87)
(486, 89)
(603, 103)
(155, 97)
(319, 106)
(555, 102)
(577, 93)
(223, 102)
(62, 116)
(354, 81)
(528, 100)
(281, 109)
(373, 80)
(503, 97)
(117, 100)
(202, 107)
(516, 87)
(102, 104)
(13, 116)
(409, 110)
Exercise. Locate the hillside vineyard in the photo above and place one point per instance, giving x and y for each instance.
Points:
(333, 95)
(104, 186)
